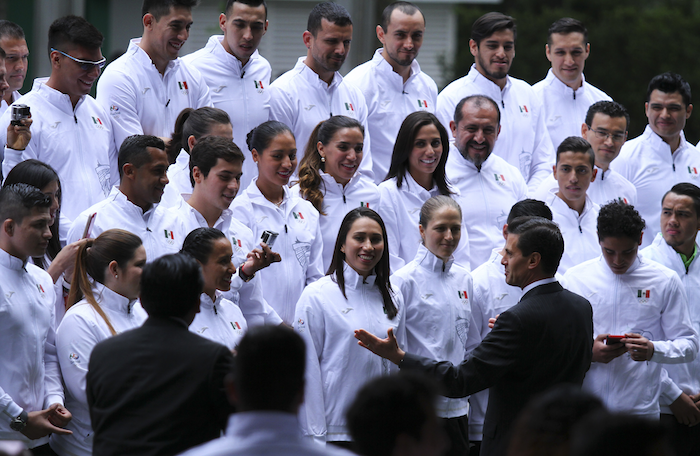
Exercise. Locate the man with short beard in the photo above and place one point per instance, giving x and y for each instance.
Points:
(524, 140)
(487, 184)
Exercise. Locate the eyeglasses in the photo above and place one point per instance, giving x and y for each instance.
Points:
(85, 65)
(616, 137)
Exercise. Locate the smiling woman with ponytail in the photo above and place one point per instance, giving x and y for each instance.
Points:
(101, 304)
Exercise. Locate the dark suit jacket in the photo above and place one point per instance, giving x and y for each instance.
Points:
(157, 390)
(546, 339)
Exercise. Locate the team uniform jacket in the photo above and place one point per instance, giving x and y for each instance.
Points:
(389, 101)
(3, 104)
(80, 330)
(300, 100)
(264, 433)
(608, 186)
(157, 227)
(241, 91)
(337, 202)
(644, 161)
(439, 319)
(400, 210)
(492, 296)
(336, 367)
(299, 243)
(248, 296)
(141, 101)
(565, 109)
(683, 377)
(486, 197)
(523, 141)
(221, 321)
(649, 300)
(30, 377)
(580, 232)
(178, 180)
(77, 143)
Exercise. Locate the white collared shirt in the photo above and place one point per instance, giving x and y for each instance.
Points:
(80, 330)
(141, 101)
(159, 229)
(241, 91)
(647, 162)
(30, 378)
(608, 186)
(486, 197)
(300, 100)
(524, 141)
(565, 109)
(389, 100)
(76, 142)
(221, 321)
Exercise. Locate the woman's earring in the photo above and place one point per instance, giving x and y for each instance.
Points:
(323, 159)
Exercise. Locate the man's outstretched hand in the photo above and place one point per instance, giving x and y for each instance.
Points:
(386, 348)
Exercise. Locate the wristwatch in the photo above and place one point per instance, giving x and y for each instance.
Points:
(19, 423)
(243, 275)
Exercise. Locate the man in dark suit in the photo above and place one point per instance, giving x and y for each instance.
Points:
(544, 340)
(159, 389)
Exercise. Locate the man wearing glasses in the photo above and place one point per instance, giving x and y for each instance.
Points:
(605, 128)
(660, 157)
(69, 130)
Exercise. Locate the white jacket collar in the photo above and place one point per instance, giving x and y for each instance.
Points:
(659, 145)
(55, 98)
(354, 280)
(110, 299)
(313, 78)
(559, 87)
(427, 260)
(139, 55)
(216, 47)
(11, 262)
(386, 69)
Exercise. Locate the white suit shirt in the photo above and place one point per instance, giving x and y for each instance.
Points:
(524, 141)
(647, 162)
(80, 330)
(241, 91)
(486, 196)
(648, 299)
(300, 100)
(30, 378)
(565, 109)
(141, 101)
(389, 101)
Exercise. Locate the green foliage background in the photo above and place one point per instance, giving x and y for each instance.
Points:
(631, 42)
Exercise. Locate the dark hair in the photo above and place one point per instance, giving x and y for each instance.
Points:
(605, 433)
(407, 8)
(200, 242)
(490, 23)
(194, 122)
(171, 285)
(277, 383)
(578, 145)
(410, 127)
(618, 219)
(610, 108)
(537, 234)
(134, 150)
(11, 30)
(387, 407)
(260, 137)
(252, 3)
(332, 12)
(670, 83)
(209, 150)
(73, 31)
(478, 101)
(91, 261)
(546, 423)
(433, 204)
(309, 177)
(39, 174)
(18, 200)
(529, 207)
(381, 269)
(567, 25)
(160, 8)
(686, 189)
